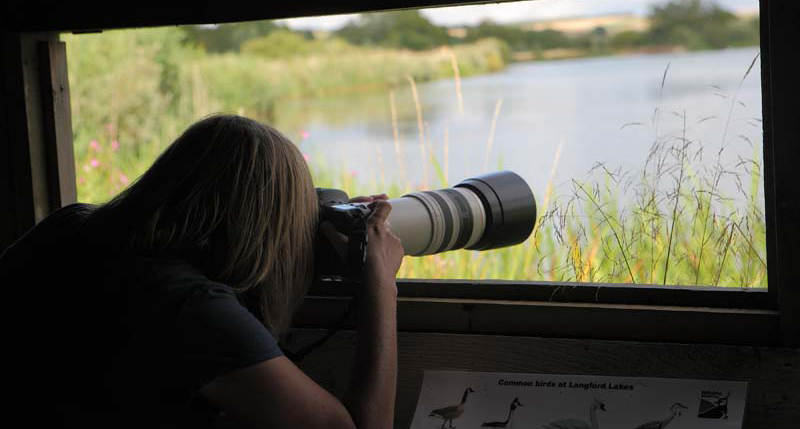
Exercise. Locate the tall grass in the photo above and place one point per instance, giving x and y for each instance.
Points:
(666, 223)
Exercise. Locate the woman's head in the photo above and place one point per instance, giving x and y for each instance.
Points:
(235, 198)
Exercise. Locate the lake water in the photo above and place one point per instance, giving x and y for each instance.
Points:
(598, 110)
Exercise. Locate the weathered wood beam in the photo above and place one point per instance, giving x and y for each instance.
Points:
(38, 166)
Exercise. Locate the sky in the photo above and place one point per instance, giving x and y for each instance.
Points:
(517, 12)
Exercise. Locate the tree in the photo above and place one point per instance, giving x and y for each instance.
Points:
(397, 29)
(695, 24)
(227, 37)
(627, 40)
(515, 37)
(278, 44)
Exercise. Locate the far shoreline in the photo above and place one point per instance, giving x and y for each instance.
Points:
(559, 54)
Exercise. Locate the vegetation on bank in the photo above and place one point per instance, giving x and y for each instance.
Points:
(134, 90)
(681, 24)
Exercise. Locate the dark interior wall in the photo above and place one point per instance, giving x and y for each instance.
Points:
(781, 154)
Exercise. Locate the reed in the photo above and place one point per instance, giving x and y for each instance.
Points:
(422, 147)
(492, 128)
(398, 148)
(456, 80)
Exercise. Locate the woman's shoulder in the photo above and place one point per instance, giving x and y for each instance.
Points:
(162, 277)
(55, 237)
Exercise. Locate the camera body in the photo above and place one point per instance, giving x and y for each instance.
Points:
(346, 217)
(349, 219)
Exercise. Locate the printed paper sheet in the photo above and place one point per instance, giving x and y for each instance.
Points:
(491, 399)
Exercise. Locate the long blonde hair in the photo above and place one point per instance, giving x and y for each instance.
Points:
(235, 198)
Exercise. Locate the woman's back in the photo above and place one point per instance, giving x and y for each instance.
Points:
(124, 340)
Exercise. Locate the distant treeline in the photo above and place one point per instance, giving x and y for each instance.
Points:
(685, 24)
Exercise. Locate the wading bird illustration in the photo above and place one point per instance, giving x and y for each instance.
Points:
(514, 404)
(453, 411)
(661, 424)
(580, 424)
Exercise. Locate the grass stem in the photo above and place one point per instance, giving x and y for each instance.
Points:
(613, 230)
(677, 199)
(421, 127)
(492, 129)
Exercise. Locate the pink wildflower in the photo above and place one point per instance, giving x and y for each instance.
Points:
(114, 145)
(353, 173)
(93, 145)
(85, 168)
(123, 178)
(94, 162)
(110, 127)
(306, 157)
(304, 134)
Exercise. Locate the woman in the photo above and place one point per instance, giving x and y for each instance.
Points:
(162, 307)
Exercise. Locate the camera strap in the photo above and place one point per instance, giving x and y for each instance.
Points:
(304, 351)
(357, 250)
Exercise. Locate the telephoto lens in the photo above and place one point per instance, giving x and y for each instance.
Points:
(485, 212)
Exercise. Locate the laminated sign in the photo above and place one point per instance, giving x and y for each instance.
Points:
(455, 399)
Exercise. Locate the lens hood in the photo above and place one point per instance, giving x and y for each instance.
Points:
(509, 206)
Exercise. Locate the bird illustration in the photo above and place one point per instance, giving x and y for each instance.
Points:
(714, 410)
(511, 409)
(580, 424)
(661, 424)
(453, 411)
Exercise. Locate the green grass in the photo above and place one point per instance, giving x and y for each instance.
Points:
(133, 92)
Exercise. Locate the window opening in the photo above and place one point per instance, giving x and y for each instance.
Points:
(636, 123)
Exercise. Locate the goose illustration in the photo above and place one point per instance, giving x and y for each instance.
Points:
(661, 424)
(580, 424)
(511, 409)
(453, 411)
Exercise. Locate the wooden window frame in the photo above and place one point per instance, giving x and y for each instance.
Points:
(41, 170)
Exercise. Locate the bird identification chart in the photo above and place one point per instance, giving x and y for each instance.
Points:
(464, 400)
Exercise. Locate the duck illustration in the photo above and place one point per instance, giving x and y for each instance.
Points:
(580, 424)
(514, 404)
(661, 424)
(453, 411)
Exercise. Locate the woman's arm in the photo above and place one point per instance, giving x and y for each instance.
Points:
(371, 396)
(277, 394)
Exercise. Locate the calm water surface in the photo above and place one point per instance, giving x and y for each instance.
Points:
(599, 110)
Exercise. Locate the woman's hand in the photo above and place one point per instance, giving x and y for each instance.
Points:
(339, 240)
(384, 249)
(369, 199)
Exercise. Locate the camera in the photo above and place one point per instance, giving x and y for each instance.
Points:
(484, 212)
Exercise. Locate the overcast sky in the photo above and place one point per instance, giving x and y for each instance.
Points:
(518, 11)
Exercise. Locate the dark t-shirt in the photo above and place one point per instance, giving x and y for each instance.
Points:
(121, 340)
